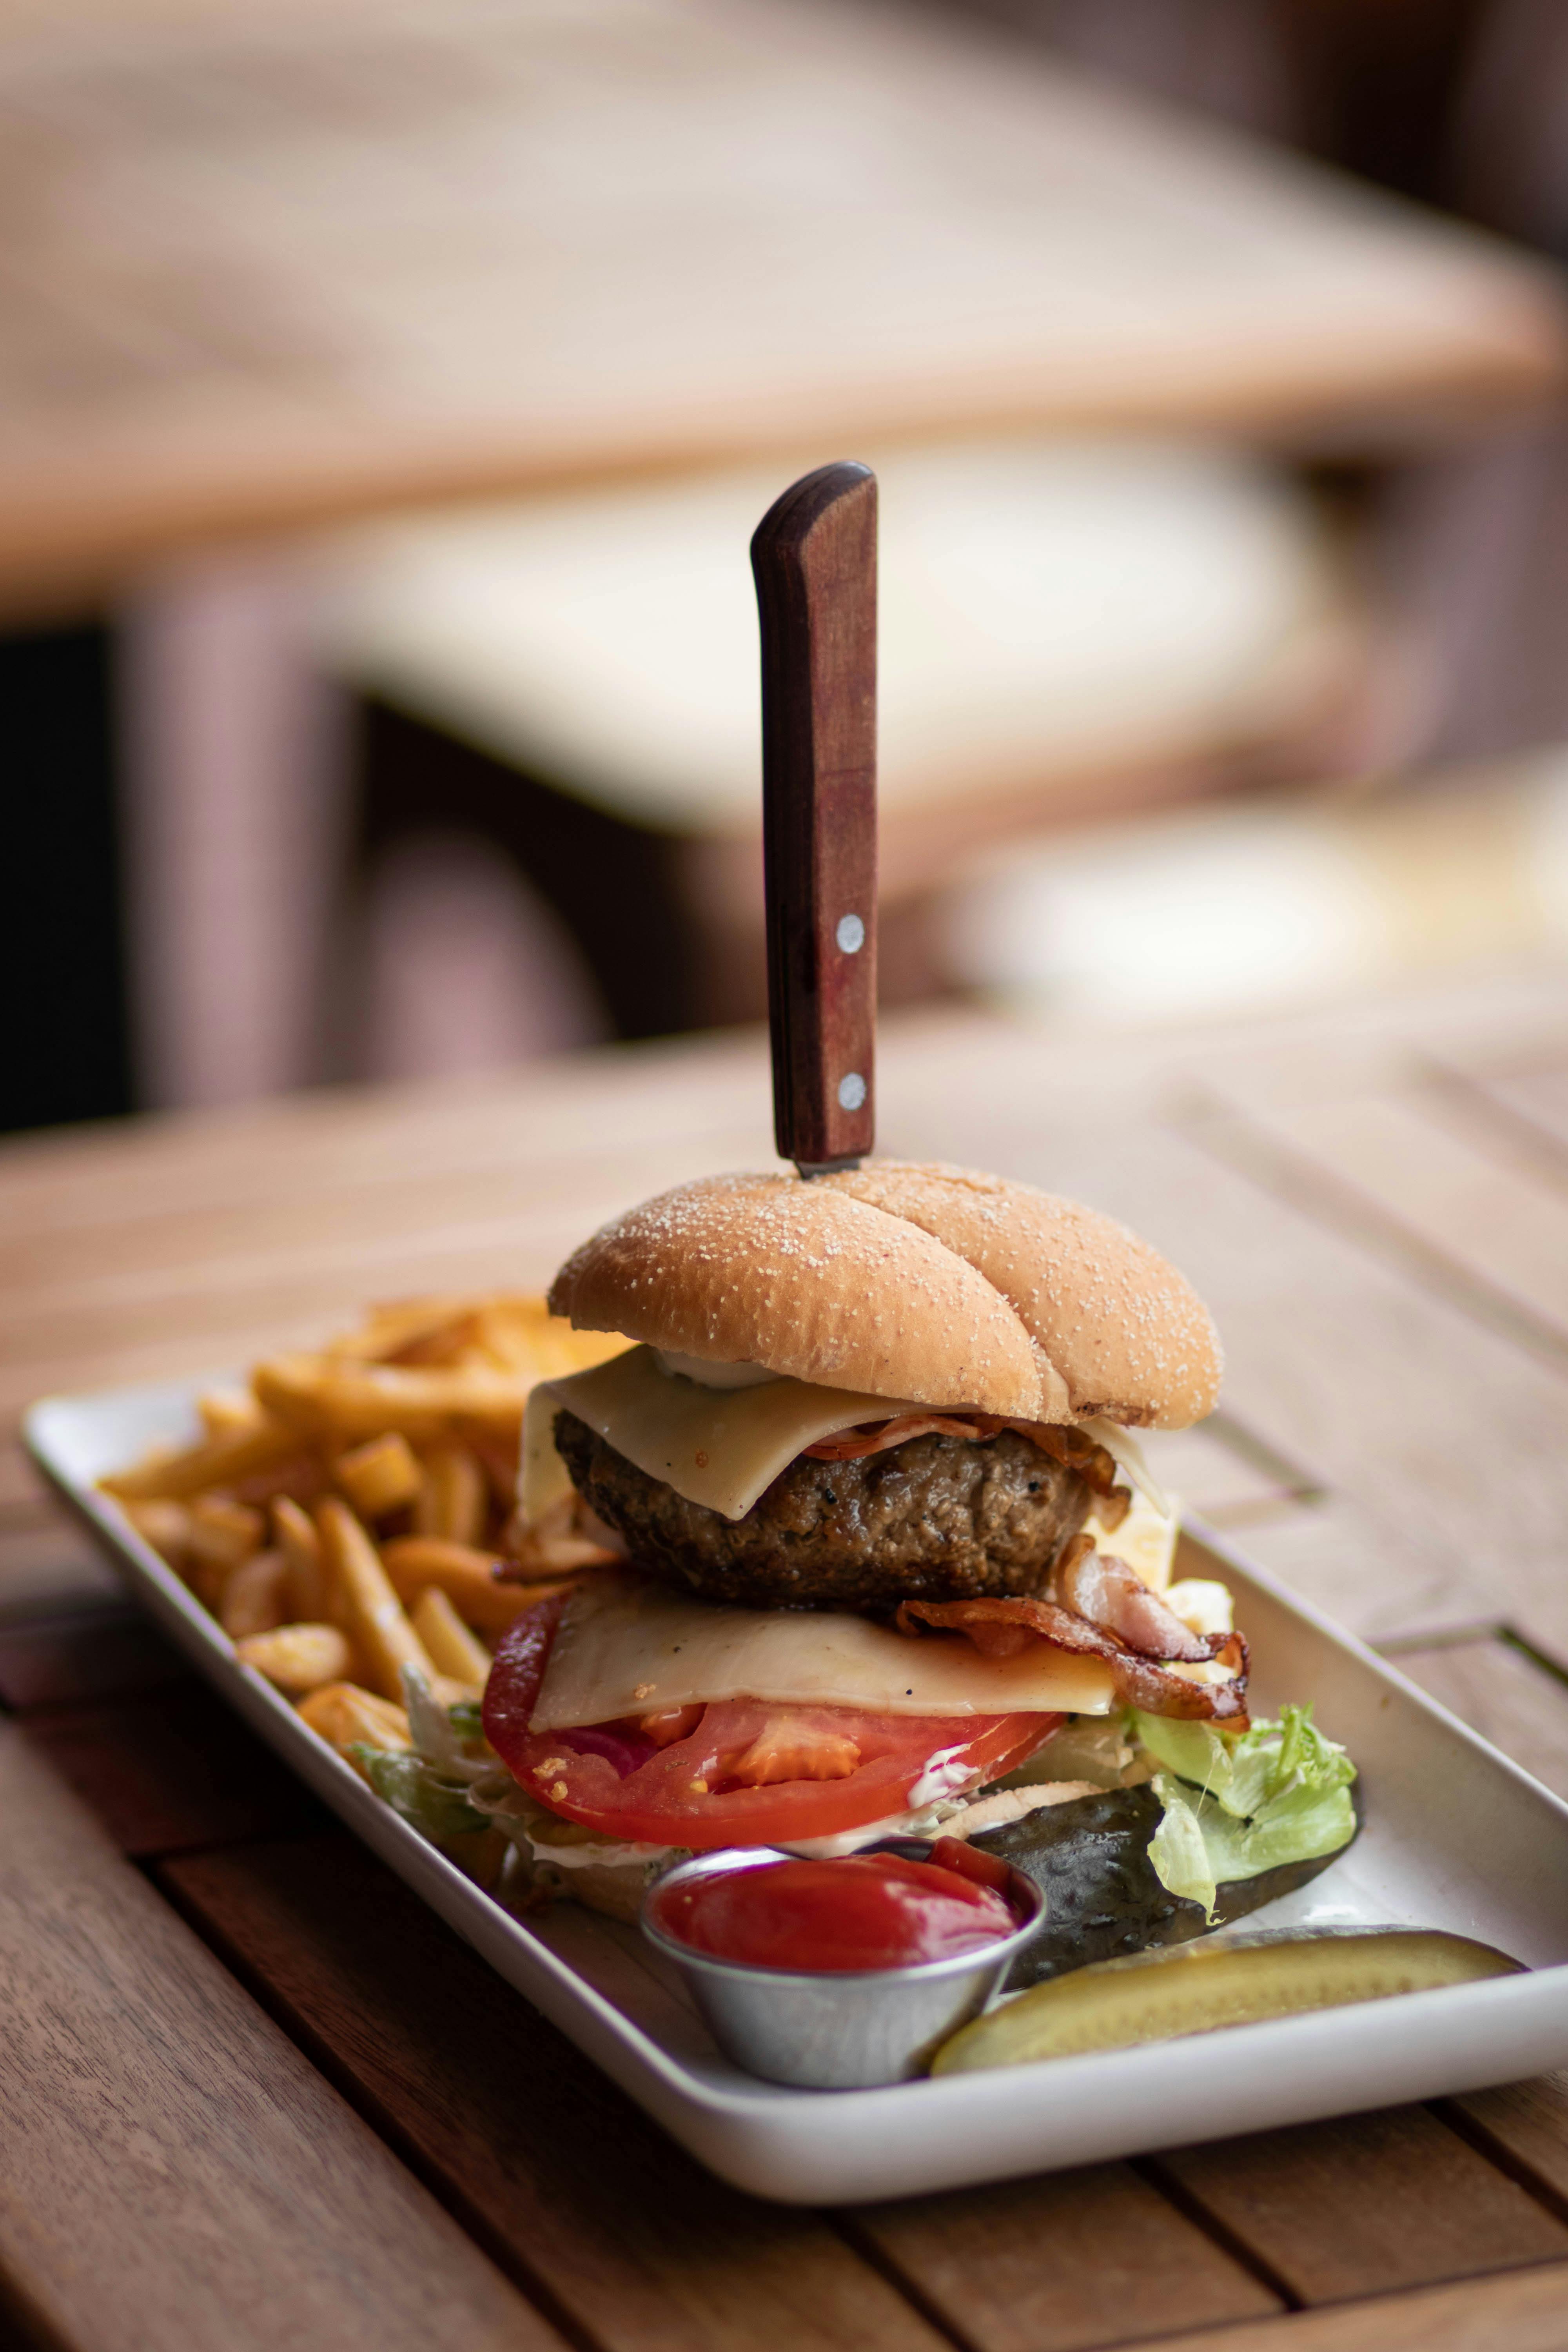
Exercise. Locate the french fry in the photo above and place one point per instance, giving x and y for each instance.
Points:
(350, 1401)
(224, 1534)
(297, 1659)
(455, 1650)
(455, 1341)
(519, 1330)
(228, 1412)
(399, 1323)
(512, 1330)
(453, 1500)
(380, 1477)
(345, 1714)
(255, 1596)
(294, 1533)
(220, 1461)
(362, 1598)
(467, 1577)
(166, 1527)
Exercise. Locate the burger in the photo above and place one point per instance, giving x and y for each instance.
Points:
(879, 1555)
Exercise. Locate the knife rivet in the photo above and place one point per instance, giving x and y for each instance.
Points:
(851, 1091)
(850, 935)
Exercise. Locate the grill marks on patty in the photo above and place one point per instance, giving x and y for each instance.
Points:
(937, 1518)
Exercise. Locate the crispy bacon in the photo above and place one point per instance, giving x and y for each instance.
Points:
(1093, 1463)
(1001, 1628)
(876, 1436)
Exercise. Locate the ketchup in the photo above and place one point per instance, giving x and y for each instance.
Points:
(867, 1911)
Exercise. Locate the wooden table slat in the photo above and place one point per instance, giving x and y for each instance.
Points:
(60, 1661)
(1525, 2126)
(172, 2172)
(1366, 2205)
(1501, 1222)
(1079, 2260)
(1503, 1694)
(1438, 1527)
(1522, 2313)
(172, 1768)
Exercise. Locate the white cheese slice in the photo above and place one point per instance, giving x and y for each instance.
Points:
(1146, 1540)
(718, 1447)
(1128, 1456)
(1203, 1603)
(625, 1647)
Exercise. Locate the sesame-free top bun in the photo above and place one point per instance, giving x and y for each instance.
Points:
(933, 1284)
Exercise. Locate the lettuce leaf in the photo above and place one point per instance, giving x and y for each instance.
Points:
(407, 1784)
(1179, 1850)
(1252, 1801)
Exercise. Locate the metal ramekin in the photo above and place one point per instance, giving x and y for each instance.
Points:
(845, 2030)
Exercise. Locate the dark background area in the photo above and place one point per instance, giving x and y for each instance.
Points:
(68, 1052)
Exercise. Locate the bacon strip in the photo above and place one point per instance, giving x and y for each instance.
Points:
(1001, 1628)
(1075, 1451)
(1110, 1594)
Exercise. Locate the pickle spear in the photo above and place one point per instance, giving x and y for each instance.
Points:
(1201, 1987)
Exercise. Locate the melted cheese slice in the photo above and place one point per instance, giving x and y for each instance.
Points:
(1146, 1540)
(625, 1647)
(718, 1447)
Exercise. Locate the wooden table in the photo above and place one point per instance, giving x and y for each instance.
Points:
(255, 2095)
(264, 270)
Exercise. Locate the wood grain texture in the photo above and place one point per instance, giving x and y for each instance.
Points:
(1523, 2126)
(1499, 1222)
(90, 1655)
(1524, 2313)
(172, 1769)
(814, 557)
(172, 2172)
(1365, 2206)
(1503, 1694)
(1058, 2265)
(557, 2172)
(1335, 1358)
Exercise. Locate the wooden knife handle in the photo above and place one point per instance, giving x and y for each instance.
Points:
(814, 559)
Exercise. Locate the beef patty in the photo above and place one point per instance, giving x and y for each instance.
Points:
(937, 1518)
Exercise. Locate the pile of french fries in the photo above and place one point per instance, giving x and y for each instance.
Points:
(343, 1517)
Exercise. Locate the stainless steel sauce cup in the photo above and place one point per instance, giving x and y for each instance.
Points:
(835, 2030)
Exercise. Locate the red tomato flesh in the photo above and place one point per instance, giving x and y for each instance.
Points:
(746, 1772)
(867, 1911)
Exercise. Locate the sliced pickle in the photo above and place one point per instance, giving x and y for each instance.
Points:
(1203, 1986)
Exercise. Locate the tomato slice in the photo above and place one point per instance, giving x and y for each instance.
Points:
(751, 1773)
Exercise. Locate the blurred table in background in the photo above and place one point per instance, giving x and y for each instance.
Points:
(262, 271)
(263, 274)
(1374, 1202)
(1068, 627)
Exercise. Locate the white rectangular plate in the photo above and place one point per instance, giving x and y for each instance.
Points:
(1456, 1837)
